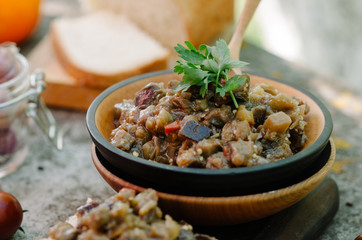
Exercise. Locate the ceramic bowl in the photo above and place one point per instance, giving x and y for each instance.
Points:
(206, 182)
(227, 210)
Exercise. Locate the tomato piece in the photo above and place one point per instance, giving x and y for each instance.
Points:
(172, 127)
(11, 215)
(227, 152)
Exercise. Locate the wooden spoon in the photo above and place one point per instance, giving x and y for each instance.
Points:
(238, 35)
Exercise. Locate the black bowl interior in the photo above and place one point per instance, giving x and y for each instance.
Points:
(202, 181)
(308, 172)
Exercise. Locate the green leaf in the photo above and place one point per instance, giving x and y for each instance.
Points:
(191, 77)
(208, 51)
(191, 56)
(210, 65)
(190, 46)
(179, 68)
(221, 52)
(236, 64)
(231, 84)
(194, 76)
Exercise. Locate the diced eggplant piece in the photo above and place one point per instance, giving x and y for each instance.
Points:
(219, 116)
(182, 103)
(172, 84)
(298, 139)
(142, 134)
(297, 115)
(259, 114)
(202, 104)
(154, 149)
(241, 153)
(235, 130)
(279, 150)
(277, 122)
(217, 161)
(148, 150)
(190, 158)
(145, 97)
(209, 146)
(122, 139)
(257, 95)
(194, 130)
(269, 89)
(162, 119)
(282, 102)
(244, 114)
(261, 160)
(157, 123)
(120, 108)
(178, 113)
(146, 113)
(125, 112)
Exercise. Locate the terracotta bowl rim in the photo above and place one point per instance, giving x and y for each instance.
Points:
(98, 139)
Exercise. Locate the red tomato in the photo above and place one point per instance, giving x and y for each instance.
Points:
(11, 215)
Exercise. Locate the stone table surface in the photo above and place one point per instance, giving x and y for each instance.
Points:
(51, 184)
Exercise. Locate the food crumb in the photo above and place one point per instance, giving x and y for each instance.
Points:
(136, 154)
(40, 168)
(349, 204)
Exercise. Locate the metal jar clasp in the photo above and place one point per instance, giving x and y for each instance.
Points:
(37, 110)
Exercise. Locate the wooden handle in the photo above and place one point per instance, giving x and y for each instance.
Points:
(244, 19)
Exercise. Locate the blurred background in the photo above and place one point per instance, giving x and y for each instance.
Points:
(324, 35)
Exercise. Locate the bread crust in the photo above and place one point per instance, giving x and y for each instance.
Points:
(94, 80)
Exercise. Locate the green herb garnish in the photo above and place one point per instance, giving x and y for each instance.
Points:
(208, 65)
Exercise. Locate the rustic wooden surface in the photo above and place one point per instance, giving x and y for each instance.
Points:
(303, 221)
(51, 184)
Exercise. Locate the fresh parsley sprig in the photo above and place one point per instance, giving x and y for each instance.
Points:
(209, 64)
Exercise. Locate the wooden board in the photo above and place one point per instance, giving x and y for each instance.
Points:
(62, 90)
(303, 221)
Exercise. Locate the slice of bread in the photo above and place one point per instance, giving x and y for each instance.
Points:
(173, 21)
(102, 48)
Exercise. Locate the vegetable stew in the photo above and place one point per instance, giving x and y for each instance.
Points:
(193, 128)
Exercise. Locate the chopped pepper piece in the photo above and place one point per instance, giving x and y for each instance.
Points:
(172, 127)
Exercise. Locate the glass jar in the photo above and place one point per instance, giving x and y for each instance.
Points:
(19, 100)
